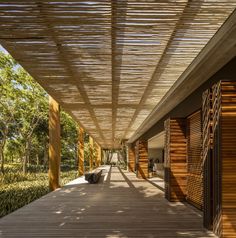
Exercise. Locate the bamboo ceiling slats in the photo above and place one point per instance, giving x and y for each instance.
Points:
(108, 63)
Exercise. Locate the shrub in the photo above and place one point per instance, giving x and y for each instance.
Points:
(16, 195)
(17, 189)
(12, 178)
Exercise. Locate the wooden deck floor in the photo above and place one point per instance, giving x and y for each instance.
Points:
(122, 206)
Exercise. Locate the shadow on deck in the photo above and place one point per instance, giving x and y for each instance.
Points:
(120, 206)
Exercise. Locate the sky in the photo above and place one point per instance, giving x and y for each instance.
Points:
(2, 49)
(6, 52)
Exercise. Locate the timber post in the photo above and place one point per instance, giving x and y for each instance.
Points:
(81, 150)
(54, 144)
(91, 153)
(142, 159)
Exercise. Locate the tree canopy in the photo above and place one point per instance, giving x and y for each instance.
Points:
(24, 119)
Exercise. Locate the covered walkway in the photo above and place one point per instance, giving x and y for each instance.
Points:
(120, 206)
(127, 71)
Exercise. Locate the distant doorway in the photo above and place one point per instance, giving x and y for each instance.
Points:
(156, 155)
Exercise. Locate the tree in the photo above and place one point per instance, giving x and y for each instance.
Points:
(8, 97)
(69, 139)
(32, 106)
(41, 142)
(122, 155)
(108, 153)
(24, 119)
(23, 105)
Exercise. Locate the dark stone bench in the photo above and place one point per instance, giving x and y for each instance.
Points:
(94, 176)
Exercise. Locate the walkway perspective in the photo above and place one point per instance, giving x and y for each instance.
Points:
(120, 206)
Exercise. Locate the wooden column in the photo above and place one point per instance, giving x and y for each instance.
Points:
(99, 155)
(175, 159)
(91, 166)
(102, 156)
(54, 144)
(81, 150)
(131, 162)
(142, 165)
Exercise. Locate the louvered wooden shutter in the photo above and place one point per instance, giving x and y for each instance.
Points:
(175, 159)
(207, 159)
(194, 161)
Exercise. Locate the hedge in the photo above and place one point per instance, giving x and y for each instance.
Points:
(17, 190)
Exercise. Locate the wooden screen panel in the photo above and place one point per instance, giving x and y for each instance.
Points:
(175, 159)
(142, 166)
(194, 190)
(216, 162)
(207, 158)
(131, 163)
(224, 159)
(228, 154)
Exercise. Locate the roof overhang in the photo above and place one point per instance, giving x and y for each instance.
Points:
(217, 53)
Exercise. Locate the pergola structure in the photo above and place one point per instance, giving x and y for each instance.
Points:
(120, 68)
(109, 63)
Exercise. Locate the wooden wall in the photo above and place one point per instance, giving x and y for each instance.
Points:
(142, 165)
(228, 152)
(194, 190)
(131, 162)
(224, 158)
(222, 169)
(175, 159)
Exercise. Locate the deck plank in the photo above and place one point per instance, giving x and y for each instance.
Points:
(121, 206)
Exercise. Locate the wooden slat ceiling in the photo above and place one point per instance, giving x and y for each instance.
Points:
(108, 63)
